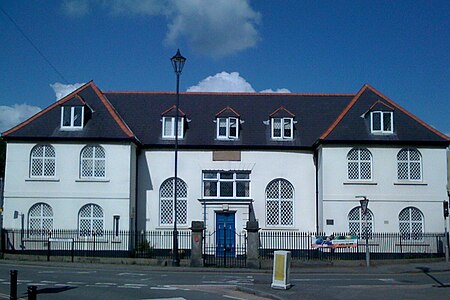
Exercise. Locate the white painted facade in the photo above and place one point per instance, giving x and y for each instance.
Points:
(387, 196)
(295, 167)
(66, 193)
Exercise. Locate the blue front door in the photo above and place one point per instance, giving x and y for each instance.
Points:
(225, 234)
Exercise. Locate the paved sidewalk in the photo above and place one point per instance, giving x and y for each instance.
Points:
(264, 289)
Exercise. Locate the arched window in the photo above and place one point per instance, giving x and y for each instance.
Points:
(409, 165)
(91, 220)
(357, 222)
(166, 197)
(410, 221)
(43, 161)
(40, 219)
(93, 162)
(359, 164)
(280, 203)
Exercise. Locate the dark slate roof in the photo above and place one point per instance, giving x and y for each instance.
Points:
(313, 114)
(137, 116)
(104, 122)
(353, 125)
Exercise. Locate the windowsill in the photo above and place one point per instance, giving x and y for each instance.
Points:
(50, 179)
(71, 128)
(360, 183)
(418, 183)
(276, 139)
(92, 180)
(171, 138)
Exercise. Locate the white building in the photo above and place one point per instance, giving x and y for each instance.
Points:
(105, 161)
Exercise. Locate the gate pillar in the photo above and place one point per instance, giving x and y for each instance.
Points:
(196, 244)
(253, 245)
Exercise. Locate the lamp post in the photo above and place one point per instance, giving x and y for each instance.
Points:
(364, 203)
(178, 63)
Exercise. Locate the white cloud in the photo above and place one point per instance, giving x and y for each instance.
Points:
(228, 82)
(214, 28)
(223, 82)
(281, 91)
(62, 90)
(226, 27)
(11, 116)
(76, 8)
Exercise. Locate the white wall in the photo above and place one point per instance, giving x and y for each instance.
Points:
(296, 167)
(66, 193)
(387, 196)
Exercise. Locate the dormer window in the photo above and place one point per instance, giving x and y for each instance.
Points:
(382, 122)
(281, 124)
(168, 123)
(227, 128)
(169, 127)
(282, 128)
(227, 122)
(72, 117)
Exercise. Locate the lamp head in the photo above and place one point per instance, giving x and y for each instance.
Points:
(178, 61)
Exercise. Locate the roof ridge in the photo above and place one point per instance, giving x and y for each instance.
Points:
(232, 93)
(114, 114)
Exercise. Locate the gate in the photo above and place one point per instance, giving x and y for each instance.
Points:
(225, 247)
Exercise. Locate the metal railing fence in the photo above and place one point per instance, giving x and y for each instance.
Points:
(143, 244)
(313, 246)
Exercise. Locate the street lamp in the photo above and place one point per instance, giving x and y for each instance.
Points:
(364, 203)
(178, 63)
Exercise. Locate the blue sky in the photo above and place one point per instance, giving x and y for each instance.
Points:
(402, 48)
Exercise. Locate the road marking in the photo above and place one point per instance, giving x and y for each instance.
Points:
(231, 297)
(177, 298)
(76, 282)
(48, 282)
(131, 274)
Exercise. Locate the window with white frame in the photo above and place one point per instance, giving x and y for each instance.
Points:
(280, 203)
(166, 202)
(93, 162)
(382, 122)
(40, 219)
(43, 161)
(282, 128)
(72, 117)
(409, 165)
(227, 128)
(168, 130)
(410, 221)
(359, 164)
(357, 222)
(226, 184)
(91, 221)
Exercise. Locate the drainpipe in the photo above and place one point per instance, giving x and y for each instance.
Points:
(316, 165)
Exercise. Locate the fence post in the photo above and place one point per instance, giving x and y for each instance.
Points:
(253, 245)
(197, 242)
(32, 292)
(13, 285)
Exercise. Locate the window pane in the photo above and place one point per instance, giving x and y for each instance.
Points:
(287, 128)
(242, 175)
(77, 116)
(242, 189)
(376, 121)
(210, 189)
(209, 175)
(180, 127)
(387, 122)
(168, 131)
(233, 127)
(276, 127)
(222, 127)
(66, 115)
(226, 175)
(226, 189)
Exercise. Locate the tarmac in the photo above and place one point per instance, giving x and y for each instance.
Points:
(264, 289)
